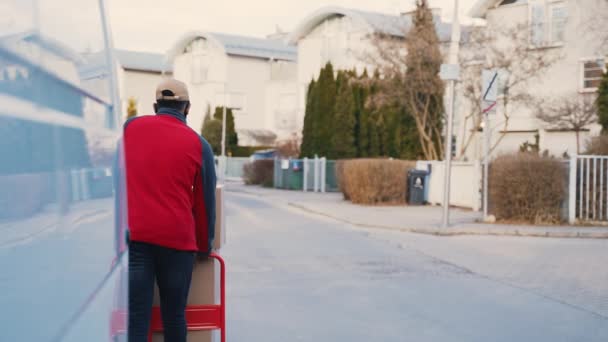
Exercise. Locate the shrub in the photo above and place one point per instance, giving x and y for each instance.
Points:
(289, 148)
(526, 187)
(598, 146)
(340, 177)
(259, 172)
(373, 181)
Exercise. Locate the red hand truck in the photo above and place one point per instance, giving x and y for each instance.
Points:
(201, 317)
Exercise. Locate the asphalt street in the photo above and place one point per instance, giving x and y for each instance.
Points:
(294, 276)
(297, 277)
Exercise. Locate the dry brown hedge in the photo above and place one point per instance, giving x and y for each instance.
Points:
(373, 181)
(526, 187)
(259, 172)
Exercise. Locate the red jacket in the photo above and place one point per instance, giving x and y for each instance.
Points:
(170, 183)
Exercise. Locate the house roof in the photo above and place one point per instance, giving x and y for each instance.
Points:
(481, 7)
(394, 25)
(142, 61)
(236, 45)
(48, 43)
(256, 47)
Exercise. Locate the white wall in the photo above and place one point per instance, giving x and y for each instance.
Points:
(248, 77)
(559, 142)
(141, 86)
(560, 80)
(205, 90)
(256, 85)
(339, 40)
(465, 187)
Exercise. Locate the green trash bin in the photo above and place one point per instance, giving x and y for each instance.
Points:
(296, 176)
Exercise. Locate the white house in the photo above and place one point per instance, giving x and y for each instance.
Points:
(343, 37)
(569, 29)
(138, 75)
(254, 76)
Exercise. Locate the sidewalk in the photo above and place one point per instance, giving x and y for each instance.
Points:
(418, 219)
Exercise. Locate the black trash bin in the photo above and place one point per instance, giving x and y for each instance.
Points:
(416, 183)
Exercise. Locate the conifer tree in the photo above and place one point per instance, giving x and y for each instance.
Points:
(343, 138)
(324, 111)
(232, 139)
(307, 147)
(602, 103)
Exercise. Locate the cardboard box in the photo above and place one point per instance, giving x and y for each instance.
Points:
(220, 219)
(204, 290)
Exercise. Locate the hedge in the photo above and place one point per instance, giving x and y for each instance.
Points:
(527, 188)
(374, 181)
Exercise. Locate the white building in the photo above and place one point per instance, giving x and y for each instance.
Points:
(138, 75)
(256, 77)
(343, 37)
(567, 28)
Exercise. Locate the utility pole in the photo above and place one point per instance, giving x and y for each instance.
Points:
(451, 73)
(224, 123)
(488, 101)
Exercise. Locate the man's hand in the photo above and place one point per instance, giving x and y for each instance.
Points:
(202, 256)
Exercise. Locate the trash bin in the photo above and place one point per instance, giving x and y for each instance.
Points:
(416, 184)
(296, 179)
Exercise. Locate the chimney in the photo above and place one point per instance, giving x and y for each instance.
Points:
(436, 12)
(279, 34)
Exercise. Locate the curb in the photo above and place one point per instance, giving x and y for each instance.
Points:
(584, 233)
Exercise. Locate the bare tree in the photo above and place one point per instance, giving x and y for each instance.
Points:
(289, 147)
(594, 25)
(573, 112)
(507, 50)
(409, 69)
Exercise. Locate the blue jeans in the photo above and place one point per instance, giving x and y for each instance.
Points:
(173, 272)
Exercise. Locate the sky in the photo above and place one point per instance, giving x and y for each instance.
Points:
(154, 25)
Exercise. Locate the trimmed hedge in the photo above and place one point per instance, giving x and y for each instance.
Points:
(374, 181)
(259, 172)
(526, 187)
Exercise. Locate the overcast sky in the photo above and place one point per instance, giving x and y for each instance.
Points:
(154, 25)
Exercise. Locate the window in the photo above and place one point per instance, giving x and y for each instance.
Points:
(537, 24)
(197, 45)
(592, 71)
(558, 18)
(199, 68)
(548, 21)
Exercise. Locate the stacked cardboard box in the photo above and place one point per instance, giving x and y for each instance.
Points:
(204, 289)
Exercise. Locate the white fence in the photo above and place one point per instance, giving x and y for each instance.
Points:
(466, 183)
(315, 177)
(230, 167)
(587, 183)
(588, 193)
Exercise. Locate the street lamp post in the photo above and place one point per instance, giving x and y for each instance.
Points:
(452, 77)
(224, 124)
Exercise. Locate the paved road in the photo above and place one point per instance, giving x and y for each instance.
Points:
(298, 277)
